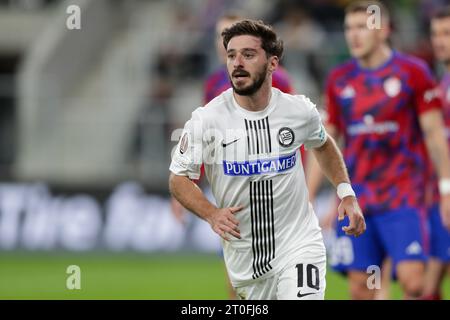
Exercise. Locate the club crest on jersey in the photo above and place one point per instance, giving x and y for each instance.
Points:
(348, 92)
(184, 143)
(286, 136)
(392, 86)
(431, 94)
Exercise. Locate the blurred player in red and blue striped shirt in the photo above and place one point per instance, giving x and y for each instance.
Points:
(439, 222)
(385, 106)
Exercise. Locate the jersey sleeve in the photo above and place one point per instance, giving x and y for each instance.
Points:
(187, 157)
(317, 135)
(426, 93)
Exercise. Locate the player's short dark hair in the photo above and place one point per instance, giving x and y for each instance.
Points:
(270, 42)
(441, 13)
(362, 6)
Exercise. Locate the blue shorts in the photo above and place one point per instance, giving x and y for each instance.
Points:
(399, 234)
(439, 236)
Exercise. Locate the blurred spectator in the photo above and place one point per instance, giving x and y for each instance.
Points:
(302, 37)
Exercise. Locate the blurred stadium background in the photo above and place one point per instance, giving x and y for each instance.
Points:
(88, 119)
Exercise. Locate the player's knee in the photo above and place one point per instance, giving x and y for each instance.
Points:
(358, 286)
(412, 287)
(411, 278)
(360, 291)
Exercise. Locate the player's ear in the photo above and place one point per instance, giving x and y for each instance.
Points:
(273, 63)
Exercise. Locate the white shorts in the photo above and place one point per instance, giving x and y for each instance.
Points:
(301, 279)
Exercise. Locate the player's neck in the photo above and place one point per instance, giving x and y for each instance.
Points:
(377, 58)
(258, 101)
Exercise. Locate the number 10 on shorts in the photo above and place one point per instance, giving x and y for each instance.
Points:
(312, 276)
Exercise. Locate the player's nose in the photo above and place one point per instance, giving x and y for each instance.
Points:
(237, 61)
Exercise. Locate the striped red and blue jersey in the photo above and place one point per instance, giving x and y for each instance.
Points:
(444, 94)
(377, 112)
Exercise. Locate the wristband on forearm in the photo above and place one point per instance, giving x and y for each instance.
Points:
(444, 186)
(345, 189)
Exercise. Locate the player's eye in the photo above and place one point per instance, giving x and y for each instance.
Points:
(231, 56)
(248, 55)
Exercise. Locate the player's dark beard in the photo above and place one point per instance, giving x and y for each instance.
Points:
(257, 83)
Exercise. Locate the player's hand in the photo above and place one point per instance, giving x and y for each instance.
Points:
(445, 211)
(349, 207)
(224, 222)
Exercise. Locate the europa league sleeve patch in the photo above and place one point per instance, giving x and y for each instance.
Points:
(318, 135)
(184, 143)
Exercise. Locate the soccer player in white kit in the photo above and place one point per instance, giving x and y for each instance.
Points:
(248, 139)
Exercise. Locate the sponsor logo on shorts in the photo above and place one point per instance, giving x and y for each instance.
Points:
(301, 295)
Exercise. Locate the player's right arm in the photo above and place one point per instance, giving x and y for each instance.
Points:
(433, 128)
(185, 167)
(222, 221)
(428, 106)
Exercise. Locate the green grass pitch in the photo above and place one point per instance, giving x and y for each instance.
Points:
(129, 276)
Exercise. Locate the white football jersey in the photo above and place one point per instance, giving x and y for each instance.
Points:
(252, 159)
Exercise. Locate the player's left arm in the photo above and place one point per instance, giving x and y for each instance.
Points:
(433, 128)
(333, 166)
